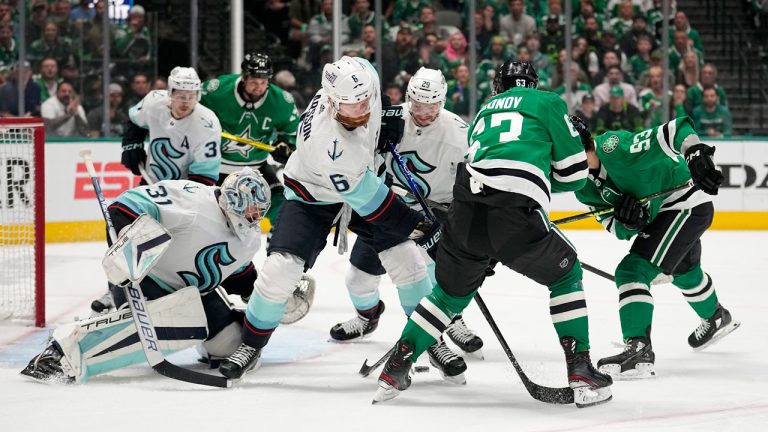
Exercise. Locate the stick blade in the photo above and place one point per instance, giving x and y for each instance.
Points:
(170, 370)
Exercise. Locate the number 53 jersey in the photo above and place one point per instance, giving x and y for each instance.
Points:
(179, 149)
(204, 250)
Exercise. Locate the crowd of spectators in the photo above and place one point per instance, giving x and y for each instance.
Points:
(617, 79)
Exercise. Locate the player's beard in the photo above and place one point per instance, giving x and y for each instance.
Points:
(353, 122)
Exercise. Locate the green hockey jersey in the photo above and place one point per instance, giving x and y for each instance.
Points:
(522, 141)
(275, 114)
(641, 164)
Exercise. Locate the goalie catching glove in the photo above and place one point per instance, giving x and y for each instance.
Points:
(704, 173)
(427, 234)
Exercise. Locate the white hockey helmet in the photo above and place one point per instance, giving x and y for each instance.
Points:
(245, 198)
(427, 86)
(347, 81)
(184, 78)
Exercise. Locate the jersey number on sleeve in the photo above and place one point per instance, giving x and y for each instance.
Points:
(340, 182)
(156, 193)
(642, 141)
(211, 146)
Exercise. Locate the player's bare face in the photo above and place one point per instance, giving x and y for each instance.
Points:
(354, 115)
(254, 88)
(253, 215)
(183, 103)
(423, 114)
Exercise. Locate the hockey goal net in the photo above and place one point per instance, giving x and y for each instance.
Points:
(22, 220)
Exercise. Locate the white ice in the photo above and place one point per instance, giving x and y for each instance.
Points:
(308, 383)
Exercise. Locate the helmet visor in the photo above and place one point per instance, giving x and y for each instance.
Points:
(355, 110)
(424, 113)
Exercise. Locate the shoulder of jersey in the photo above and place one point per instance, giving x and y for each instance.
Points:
(281, 96)
(221, 83)
(207, 117)
(155, 99)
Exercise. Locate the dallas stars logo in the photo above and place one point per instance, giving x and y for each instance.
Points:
(237, 147)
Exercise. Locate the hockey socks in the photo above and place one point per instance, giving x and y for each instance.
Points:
(633, 278)
(568, 308)
(698, 291)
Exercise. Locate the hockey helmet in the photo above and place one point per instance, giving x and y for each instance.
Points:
(245, 198)
(349, 82)
(514, 74)
(425, 95)
(256, 65)
(184, 78)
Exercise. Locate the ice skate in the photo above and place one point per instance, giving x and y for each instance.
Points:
(635, 362)
(464, 338)
(590, 387)
(359, 326)
(396, 375)
(712, 329)
(103, 304)
(450, 365)
(244, 359)
(49, 367)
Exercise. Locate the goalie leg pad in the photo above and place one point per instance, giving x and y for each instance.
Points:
(107, 342)
(405, 265)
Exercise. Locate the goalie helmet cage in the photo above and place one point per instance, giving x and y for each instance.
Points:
(22, 220)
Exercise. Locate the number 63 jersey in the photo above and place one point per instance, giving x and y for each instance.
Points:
(204, 251)
(179, 149)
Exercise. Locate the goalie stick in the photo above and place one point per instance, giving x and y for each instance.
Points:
(138, 305)
(562, 395)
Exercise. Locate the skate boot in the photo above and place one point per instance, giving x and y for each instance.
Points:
(451, 366)
(103, 304)
(712, 329)
(464, 338)
(590, 387)
(244, 359)
(49, 366)
(359, 326)
(396, 375)
(635, 362)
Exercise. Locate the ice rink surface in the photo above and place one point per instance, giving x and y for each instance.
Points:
(309, 384)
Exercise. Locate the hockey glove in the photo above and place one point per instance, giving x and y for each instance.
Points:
(426, 234)
(283, 150)
(392, 124)
(704, 173)
(581, 127)
(133, 157)
(631, 213)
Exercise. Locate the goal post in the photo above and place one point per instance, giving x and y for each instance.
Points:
(22, 220)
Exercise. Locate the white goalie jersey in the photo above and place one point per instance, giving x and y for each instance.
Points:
(432, 154)
(204, 250)
(178, 149)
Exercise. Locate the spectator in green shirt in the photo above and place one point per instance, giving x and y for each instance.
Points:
(682, 24)
(49, 79)
(708, 78)
(711, 118)
(50, 45)
(9, 52)
(617, 114)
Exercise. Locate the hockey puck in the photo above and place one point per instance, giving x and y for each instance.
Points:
(421, 369)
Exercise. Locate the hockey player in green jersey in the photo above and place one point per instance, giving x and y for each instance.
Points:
(523, 147)
(249, 106)
(624, 167)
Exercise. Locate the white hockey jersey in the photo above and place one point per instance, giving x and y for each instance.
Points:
(204, 250)
(332, 164)
(178, 149)
(432, 154)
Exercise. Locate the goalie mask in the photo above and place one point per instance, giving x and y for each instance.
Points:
(425, 96)
(349, 86)
(245, 199)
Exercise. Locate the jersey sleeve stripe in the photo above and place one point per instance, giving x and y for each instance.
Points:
(368, 196)
(665, 135)
(574, 172)
(298, 189)
(383, 209)
(501, 175)
(138, 203)
(208, 181)
(572, 160)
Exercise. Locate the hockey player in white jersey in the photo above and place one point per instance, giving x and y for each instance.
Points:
(215, 235)
(184, 136)
(329, 178)
(434, 143)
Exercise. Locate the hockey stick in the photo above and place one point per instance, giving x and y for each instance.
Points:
(136, 301)
(411, 182)
(258, 144)
(598, 272)
(434, 205)
(560, 395)
(601, 212)
(366, 370)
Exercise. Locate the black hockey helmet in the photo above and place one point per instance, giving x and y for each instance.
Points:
(257, 65)
(514, 74)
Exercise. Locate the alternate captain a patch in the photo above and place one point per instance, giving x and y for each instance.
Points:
(610, 144)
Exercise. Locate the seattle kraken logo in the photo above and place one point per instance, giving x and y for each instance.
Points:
(162, 166)
(416, 166)
(208, 264)
(334, 155)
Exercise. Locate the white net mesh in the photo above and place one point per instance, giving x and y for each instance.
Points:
(17, 222)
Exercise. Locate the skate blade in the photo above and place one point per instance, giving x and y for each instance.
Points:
(349, 341)
(459, 379)
(586, 397)
(384, 393)
(723, 332)
(255, 366)
(477, 354)
(49, 380)
(641, 371)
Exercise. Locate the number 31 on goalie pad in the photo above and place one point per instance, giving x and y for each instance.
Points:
(136, 251)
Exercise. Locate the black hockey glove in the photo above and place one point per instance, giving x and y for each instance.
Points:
(427, 234)
(283, 150)
(581, 127)
(392, 124)
(133, 156)
(704, 173)
(631, 213)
